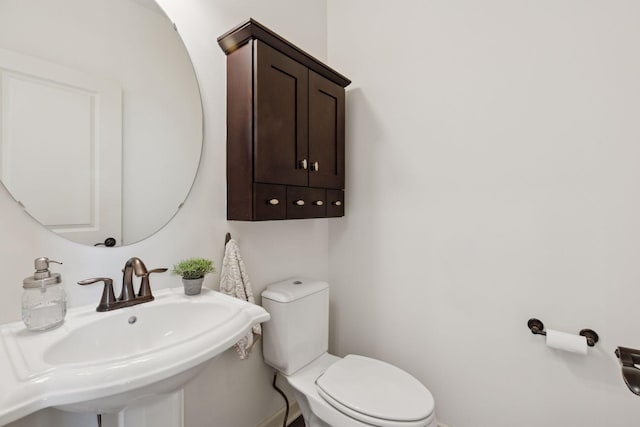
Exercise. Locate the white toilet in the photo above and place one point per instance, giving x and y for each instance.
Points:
(354, 391)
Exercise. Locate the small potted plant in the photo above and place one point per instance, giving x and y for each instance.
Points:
(192, 271)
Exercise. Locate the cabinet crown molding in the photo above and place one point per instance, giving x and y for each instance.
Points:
(252, 29)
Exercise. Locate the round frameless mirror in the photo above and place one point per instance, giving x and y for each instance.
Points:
(100, 116)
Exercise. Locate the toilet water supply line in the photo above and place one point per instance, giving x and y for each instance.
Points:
(284, 396)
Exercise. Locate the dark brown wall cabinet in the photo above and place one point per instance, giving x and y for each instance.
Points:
(285, 129)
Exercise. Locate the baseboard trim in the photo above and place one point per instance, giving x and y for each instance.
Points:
(275, 420)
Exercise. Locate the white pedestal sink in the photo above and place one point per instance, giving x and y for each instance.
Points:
(126, 358)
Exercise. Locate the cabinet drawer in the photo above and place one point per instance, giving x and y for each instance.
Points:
(269, 202)
(335, 203)
(303, 202)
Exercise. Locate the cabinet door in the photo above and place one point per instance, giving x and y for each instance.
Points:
(326, 133)
(280, 120)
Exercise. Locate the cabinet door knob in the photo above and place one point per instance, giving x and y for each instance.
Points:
(302, 164)
(337, 203)
(318, 203)
(299, 202)
(274, 202)
(315, 166)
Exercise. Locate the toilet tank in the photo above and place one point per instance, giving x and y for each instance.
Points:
(298, 331)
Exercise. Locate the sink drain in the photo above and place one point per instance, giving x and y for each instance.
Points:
(132, 320)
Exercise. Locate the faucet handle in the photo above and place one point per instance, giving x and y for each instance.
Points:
(145, 286)
(108, 297)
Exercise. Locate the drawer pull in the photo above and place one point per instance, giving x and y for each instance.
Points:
(337, 203)
(302, 164)
(274, 202)
(299, 202)
(315, 166)
(318, 203)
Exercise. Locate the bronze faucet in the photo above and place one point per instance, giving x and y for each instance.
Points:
(128, 296)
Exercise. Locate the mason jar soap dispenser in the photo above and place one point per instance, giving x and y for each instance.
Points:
(43, 300)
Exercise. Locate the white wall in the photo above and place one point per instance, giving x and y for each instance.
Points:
(493, 176)
(272, 250)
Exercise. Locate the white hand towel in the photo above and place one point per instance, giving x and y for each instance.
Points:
(234, 281)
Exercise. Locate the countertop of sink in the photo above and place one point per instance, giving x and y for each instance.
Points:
(65, 365)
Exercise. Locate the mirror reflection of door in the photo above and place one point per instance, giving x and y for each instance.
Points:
(82, 55)
(61, 146)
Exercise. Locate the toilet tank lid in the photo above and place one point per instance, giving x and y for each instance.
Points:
(293, 289)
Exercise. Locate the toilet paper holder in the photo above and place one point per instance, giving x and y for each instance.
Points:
(537, 328)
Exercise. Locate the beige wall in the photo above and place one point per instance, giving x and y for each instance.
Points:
(493, 176)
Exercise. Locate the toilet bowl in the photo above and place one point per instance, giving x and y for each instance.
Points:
(354, 391)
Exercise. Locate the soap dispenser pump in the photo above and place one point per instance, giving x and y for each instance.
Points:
(43, 300)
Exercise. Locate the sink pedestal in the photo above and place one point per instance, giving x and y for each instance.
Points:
(162, 411)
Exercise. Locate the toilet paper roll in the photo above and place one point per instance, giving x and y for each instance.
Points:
(567, 342)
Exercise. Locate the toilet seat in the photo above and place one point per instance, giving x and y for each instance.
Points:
(375, 392)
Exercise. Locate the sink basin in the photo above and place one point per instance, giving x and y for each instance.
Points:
(135, 332)
(104, 362)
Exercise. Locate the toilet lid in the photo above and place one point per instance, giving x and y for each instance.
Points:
(374, 389)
